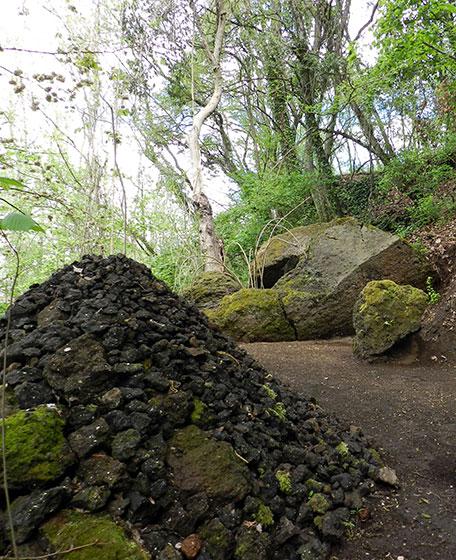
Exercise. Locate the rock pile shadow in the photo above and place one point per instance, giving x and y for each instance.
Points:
(123, 405)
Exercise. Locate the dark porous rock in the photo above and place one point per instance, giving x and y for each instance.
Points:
(91, 498)
(165, 426)
(169, 553)
(334, 524)
(79, 369)
(314, 549)
(251, 545)
(28, 512)
(18, 375)
(201, 464)
(218, 540)
(88, 438)
(101, 469)
(51, 313)
(81, 415)
(112, 398)
(30, 395)
(125, 444)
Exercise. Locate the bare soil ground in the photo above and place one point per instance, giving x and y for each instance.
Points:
(410, 410)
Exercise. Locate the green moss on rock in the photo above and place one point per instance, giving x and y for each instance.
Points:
(209, 288)
(71, 529)
(36, 450)
(202, 464)
(284, 480)
(319, 503)
(385, 313)
(201, 415)
(264, 515)
(217, 539)
(251, 545)
(252, 315)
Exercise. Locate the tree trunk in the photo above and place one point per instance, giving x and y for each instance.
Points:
(211, 246)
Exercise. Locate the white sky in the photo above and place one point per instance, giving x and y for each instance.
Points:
(36, 29)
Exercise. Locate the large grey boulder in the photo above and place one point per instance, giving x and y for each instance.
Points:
(207, 290)
(321, 269)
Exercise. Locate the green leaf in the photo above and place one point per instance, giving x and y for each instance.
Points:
(16, 221)
(6, 182)
(448, 8)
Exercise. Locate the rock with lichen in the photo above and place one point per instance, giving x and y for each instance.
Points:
(208, 289)
(90, 536)
(252, 315)
(199, 463)
(36, 449)
(384, 314)
(320, 269)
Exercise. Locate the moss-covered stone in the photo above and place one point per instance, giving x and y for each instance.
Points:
(72, 529)
(284, 480)
(319, 503)
(209, 288)
(264, 515)
(251, 545)
(321, 270)
(313, 315)
(36, 450)
(201, 415)
(202, 464)
(252, 315)
(385, 313)
(217, 539)
(281, 253)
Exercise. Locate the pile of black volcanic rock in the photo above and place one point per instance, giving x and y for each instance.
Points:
(123, 402)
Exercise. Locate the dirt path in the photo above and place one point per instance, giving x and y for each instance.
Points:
(411, 413)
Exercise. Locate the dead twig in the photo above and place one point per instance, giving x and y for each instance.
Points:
(57, 553)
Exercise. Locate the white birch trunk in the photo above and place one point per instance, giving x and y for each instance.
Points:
(211, 246)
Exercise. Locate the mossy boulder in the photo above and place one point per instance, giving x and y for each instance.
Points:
(201, 464)
(385, 313)
(321, 269)
(252, 315)
(104, 539)
(209, 288)
(36, 449)
(281, 253)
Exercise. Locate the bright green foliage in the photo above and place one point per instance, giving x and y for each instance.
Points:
(270, 392)
(287, 195)
(72, 529)
(342, 449)
(418, 37)
(18, 221)
(279, 411)
(433, 295)
(36, 450)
